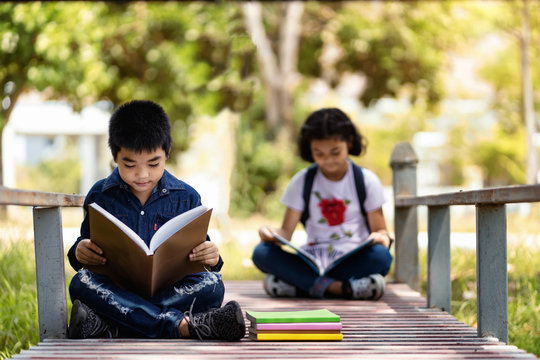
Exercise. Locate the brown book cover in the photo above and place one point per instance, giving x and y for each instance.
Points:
(145, 270)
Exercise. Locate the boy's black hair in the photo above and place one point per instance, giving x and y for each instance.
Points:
(139, 125)
(329, 123)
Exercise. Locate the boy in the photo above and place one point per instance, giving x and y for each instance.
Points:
(142, 194)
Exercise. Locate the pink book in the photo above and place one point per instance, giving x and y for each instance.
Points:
(299, 326)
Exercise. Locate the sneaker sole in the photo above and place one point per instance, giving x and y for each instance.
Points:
(235, 336)
(78, 315)
(379, 280)
(267, 285)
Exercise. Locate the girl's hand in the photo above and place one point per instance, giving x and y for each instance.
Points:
(88, 253)
(265, 233)
(380, 237)
(206, 253)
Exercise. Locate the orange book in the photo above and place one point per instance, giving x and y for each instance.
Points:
(146, 269)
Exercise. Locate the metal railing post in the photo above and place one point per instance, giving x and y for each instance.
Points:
(439, 289)
(491, 271)
(403, 162)
(50, 273)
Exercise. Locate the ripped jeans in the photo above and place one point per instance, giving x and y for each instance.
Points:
(157, 317)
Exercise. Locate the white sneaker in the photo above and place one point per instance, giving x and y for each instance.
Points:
(368, 288)
(277, 288)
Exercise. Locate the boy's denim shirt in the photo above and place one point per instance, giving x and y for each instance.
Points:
(168, 199)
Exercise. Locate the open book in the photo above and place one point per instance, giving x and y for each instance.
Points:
(146, 269)
(318, 257)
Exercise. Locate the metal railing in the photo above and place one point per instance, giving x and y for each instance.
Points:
(49, 251)
(491, 241)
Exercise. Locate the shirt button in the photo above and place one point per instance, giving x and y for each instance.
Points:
(164, 191)
(142, 212)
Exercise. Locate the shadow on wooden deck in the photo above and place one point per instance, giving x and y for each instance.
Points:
(399, 326)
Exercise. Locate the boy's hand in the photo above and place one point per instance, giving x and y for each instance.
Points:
(206, 253)
(89, 253)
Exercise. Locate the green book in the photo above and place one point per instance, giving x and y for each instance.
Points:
(304, 316)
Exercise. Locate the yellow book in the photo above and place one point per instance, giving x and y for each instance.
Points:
(297, 337)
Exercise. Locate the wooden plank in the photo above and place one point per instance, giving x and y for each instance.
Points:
(498, 195)
(399, 326)
(10, 196)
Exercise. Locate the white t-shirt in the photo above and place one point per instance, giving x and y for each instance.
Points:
(342, 225)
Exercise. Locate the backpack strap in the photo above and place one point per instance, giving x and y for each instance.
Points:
(360, 191)
(308, 185)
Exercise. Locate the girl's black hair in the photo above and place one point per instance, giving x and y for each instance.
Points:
(329, 123)
(139, 125)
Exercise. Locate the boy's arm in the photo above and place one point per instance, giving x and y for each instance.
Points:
(85, 234)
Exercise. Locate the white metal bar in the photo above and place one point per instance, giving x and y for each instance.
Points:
(439, 289)
(50, 273)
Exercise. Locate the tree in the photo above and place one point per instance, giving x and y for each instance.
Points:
(527, 97)
(192, 58)
(511, 71)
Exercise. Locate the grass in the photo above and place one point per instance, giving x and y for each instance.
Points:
(523, 292)
(18, 318)
(18, 303)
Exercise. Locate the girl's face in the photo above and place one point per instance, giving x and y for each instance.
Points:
(331, 155)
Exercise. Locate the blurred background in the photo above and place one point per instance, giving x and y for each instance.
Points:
(455, 79)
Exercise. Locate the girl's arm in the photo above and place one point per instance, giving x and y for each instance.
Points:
(379, 234)
(290, 220)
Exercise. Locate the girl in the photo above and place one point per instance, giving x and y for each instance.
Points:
(337, 221)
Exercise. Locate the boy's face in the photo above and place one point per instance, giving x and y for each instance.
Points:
(141, 170)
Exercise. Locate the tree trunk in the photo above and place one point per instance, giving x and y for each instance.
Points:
(528, 101)
(267, 59)
(288, 59)
(279, 73)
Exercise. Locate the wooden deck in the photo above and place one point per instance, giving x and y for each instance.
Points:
(399, 326)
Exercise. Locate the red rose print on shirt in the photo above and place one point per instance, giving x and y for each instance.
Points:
(333, 210)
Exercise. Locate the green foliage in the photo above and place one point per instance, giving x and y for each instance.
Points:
(263, 169)
(395, 45)
(501, 156)
(192, 58)
(381, 141)
(502, 68)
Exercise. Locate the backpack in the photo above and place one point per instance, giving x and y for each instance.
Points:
(360, 190)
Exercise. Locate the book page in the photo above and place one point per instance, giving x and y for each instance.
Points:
(337, 258)
(172, 226)
(309, 258)
(126, 229)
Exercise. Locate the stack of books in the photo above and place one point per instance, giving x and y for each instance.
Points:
(319, 324)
